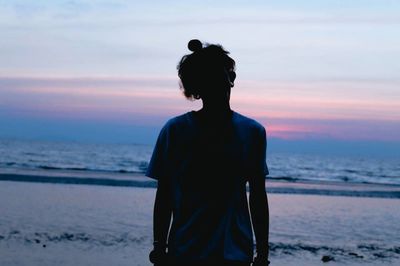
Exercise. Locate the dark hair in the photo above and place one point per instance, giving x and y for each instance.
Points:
(198, 68)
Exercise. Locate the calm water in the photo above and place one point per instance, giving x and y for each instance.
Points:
(133, 158)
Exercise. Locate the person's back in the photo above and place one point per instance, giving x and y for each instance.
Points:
(202, 161)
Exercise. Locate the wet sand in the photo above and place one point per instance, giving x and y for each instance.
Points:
(70, 224)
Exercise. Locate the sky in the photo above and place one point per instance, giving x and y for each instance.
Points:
(106, 70)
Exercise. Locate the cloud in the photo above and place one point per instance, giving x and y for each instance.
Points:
(339, 129)
(173, 13)
(288, 109)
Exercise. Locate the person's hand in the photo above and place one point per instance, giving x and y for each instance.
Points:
(260, 261)
(262, 254)
(158, 257)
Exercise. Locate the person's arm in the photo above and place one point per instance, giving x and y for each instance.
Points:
(161, 221)
(260, 217)
(258, 200)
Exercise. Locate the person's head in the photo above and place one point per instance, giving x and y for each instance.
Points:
(207, 73)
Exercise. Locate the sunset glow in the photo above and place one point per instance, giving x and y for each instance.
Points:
(316, 71)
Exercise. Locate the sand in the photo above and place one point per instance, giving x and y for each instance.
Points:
(68, 224)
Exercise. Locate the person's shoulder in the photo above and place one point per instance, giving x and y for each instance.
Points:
(176, 122)
(247, 122)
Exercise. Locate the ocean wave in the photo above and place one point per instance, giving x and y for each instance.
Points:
(351, 171)
(141, 181)
(79, 180)
(286, 178)
(132, 158)
(47, 167)
(141, 168)
(381, 180)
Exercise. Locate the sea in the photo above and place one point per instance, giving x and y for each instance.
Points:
(90, 204)
(107, 160)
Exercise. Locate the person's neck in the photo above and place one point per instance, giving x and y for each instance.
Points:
(215, 112)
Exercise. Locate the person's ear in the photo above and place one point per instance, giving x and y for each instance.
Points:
(232, 77)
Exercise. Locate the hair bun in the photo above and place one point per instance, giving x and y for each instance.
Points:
(195, 45)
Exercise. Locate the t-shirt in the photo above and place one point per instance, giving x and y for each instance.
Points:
(208, 167)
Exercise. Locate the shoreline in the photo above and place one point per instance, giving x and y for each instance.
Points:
(325, 188)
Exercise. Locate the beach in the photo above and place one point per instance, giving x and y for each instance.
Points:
(80, 224)
(207, 97)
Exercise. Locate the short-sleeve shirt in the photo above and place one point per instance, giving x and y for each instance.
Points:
(207, 167)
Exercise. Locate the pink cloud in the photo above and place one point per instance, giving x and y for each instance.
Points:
(289, 110)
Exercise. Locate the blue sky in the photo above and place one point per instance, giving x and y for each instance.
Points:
(295, 39)
(306, 69)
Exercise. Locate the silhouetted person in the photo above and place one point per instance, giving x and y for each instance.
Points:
(202, 161)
